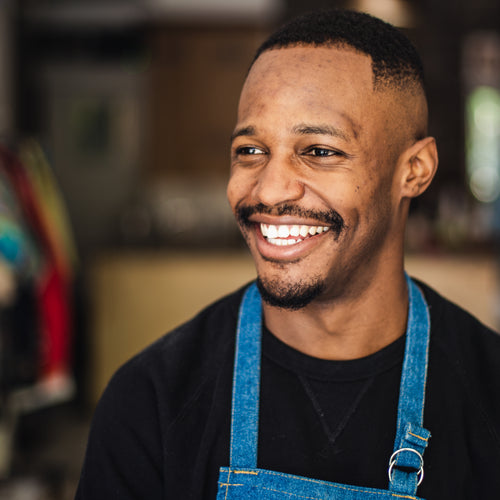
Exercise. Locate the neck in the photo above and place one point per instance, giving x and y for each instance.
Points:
(349, 326)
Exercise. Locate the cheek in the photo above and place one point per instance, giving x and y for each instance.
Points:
(234, 190)
(364, 204)
(339, 192)
(377, 209)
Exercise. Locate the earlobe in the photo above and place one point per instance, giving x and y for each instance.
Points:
(420, 165)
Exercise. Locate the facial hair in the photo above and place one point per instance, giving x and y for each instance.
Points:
(275, 292)
(327, 218)
(293, 296)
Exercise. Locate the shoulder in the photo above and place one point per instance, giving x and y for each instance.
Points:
(155, 409)
(175, 368)
(465, 353)
(200, 339)
(460, 330)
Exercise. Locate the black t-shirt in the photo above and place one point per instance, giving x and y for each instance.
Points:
(161, 429)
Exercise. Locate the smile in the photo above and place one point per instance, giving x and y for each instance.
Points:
(286, 235)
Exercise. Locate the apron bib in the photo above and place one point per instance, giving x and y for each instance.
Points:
(242, 480)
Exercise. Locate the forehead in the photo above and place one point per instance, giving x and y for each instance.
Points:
(339, 60)
(315, 81)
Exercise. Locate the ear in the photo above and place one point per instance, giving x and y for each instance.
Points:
(419, 164)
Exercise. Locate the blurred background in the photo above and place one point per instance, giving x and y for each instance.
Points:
(115, 119)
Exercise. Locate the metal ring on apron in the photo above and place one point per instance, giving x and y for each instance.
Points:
(392, 463)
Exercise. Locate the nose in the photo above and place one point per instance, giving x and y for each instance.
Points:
(278, 182)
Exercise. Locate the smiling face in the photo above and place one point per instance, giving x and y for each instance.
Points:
(314, 174)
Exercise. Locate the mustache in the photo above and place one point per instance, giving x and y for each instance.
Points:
(327, 218)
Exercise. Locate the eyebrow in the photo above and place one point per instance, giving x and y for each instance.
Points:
(244, 131)
(305, 129)
(301, 129)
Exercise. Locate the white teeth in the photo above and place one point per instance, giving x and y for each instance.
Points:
(304, 231)
(283, 231)
(279, 234)
(272, 232)
(282, 243)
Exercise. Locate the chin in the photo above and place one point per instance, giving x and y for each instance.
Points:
(292, 296)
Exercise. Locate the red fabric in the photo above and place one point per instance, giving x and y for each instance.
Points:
(55, 316)
(52, 285)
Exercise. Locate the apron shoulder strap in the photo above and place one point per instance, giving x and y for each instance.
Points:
(246, 382)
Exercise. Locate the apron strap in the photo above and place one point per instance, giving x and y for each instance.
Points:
(246, 382)
(406, 465)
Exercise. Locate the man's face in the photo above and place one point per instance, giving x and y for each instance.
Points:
(312, 173)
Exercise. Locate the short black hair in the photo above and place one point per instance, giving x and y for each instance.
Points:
(395, 61)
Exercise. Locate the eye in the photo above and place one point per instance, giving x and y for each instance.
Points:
(321, 152)
(249, 150)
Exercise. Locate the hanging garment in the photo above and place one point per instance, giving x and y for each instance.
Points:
(51, 206)
(52, 283)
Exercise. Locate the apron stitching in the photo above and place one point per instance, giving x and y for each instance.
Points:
(417, 436)
(319, 482)
(227, 485)
(428, 318)
(358, 490)
(291, 494)
(233, 406)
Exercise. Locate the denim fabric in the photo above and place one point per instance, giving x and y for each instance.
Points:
(414, 375)
(410, 433)
(242, 479)
(250, 484)
(246, 382)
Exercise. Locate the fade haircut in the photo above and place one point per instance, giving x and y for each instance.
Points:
(395, 61)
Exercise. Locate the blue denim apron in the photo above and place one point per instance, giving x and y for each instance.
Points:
(243, 480)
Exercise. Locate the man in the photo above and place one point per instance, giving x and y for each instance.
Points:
(351, 383)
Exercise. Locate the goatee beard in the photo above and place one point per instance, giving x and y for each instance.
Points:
(277, 292)
(293, 296)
